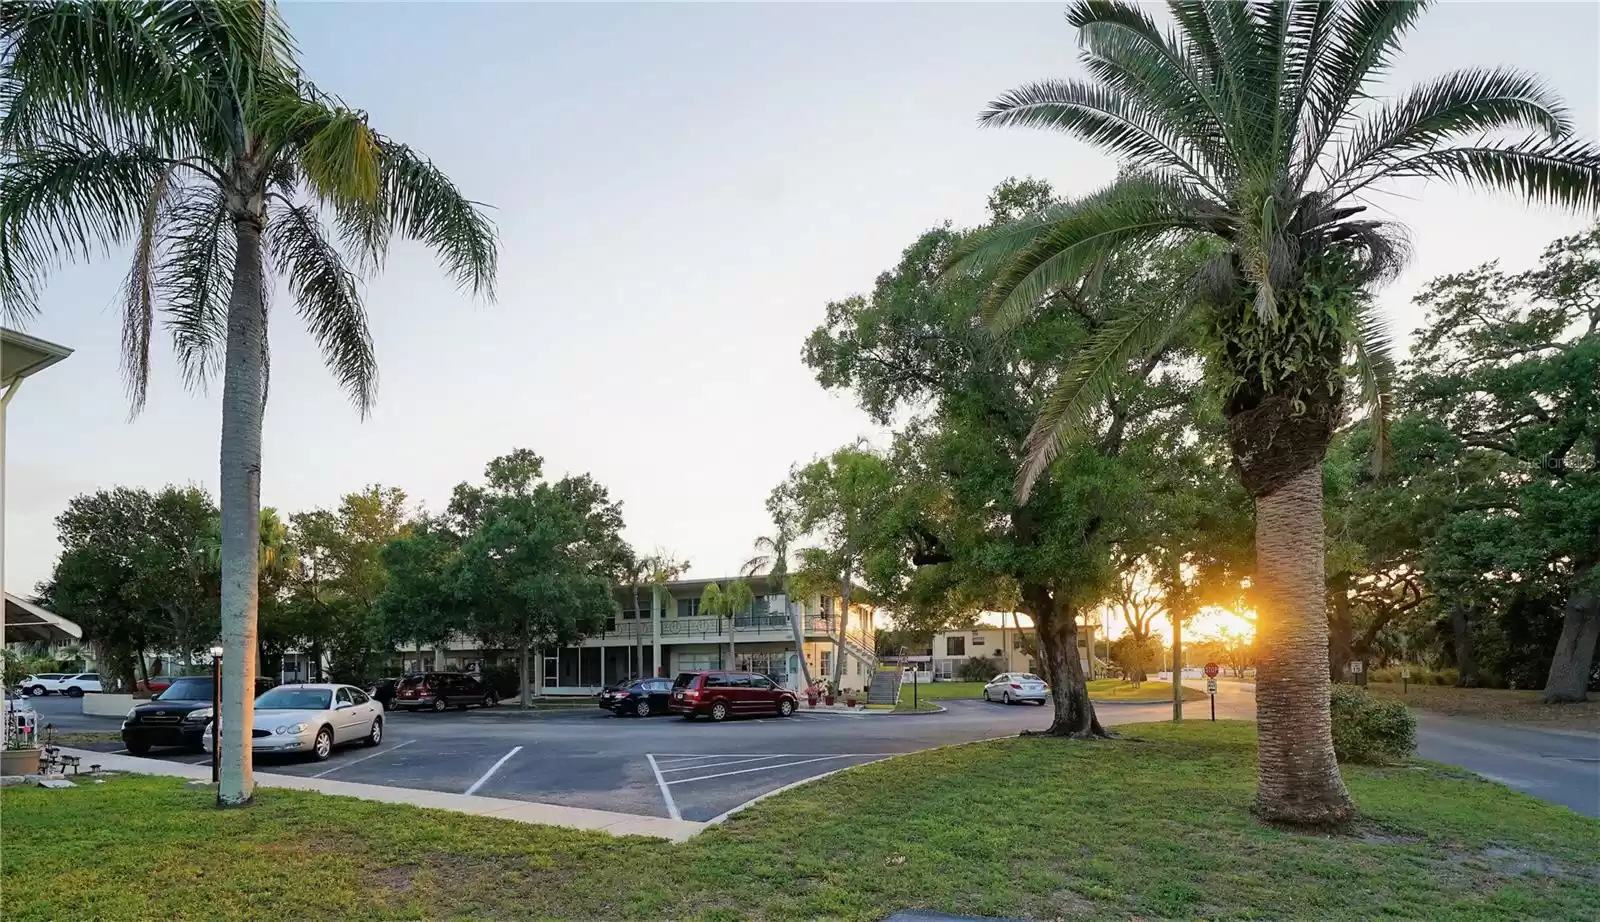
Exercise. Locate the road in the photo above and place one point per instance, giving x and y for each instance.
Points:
(698, 771)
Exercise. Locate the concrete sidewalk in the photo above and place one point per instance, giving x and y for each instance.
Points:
(617, 824)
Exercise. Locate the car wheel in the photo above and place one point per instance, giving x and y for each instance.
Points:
(37, 691)
(986, 696)
(440, 705)
(719, 711)
(74, 692)
(1006, 699)
(490, 701)
(323, 747)
(138, 749)
(642, 708)
(376, 736)
(785, 707)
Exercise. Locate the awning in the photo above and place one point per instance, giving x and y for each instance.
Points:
(26, 622)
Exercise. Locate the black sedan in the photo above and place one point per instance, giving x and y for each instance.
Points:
(639, 698)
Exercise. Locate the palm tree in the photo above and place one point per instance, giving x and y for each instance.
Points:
(664, 567)
(772, 558)
(1252, 125)
(186, 130)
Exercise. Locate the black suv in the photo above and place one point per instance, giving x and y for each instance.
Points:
(440, 691)
(176, 717)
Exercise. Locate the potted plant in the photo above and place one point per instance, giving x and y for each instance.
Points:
(850, 699)
(21, 753)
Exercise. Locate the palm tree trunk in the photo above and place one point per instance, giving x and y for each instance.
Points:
(243, 404)
(1341, 630)
(799, 640)
(1299, 780)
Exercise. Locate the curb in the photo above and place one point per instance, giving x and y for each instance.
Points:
(938, 709)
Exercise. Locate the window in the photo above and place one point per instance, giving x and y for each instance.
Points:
(955, 646)
(342, 696)
(359, 696)
(827, 662)
(611, 622)
(977, 641)
(825, 606)
(688, 608)
(736, 681)
(760, 681)
(696, 662)
(1016, 642)
(715, 681)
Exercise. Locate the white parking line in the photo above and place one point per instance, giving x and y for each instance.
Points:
(492, 769)
(761, 768)
(672, 808)
(380, 752)
(690, 768)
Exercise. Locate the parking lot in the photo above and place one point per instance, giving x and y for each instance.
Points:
(660, 766)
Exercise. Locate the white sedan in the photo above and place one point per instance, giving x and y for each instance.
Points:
(1015, 687)
(313, 719)
(71, 684)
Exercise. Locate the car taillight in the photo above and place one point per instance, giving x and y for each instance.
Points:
(1015, 685)
(691, 693)
(621, 694)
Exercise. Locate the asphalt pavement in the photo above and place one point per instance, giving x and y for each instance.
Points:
(664, 766)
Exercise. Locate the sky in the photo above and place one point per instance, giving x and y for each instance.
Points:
(679, 190)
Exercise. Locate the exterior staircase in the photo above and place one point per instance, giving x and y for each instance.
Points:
(885, 687)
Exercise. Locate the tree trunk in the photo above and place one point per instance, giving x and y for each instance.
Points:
(1298, 774)
(844, 625)
(1466, 653)
(526, 699)
(1177, 664)
(1341, 629)
(1058, 650)
(243, 405)
(795, 624)
(1575, 651)
(636, 671)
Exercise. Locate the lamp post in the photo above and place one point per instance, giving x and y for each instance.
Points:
(216, 712)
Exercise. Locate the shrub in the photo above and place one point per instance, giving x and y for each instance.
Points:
(503, 679)
(1368, 729)
(977, 669)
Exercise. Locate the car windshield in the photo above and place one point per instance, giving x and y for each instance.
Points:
(187, 690)
(295, 699)
(1029, 677)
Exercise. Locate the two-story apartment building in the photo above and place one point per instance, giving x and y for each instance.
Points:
(645, 638)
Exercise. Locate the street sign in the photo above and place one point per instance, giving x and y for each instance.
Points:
(1211, 670)
(1211, 686)
(1405, 672)
(1357, 666)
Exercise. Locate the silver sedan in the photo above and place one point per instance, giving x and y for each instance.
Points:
(313, 719)
(1016, 687)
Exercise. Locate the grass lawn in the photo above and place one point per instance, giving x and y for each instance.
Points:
(1099, 690)
(1155, 824)
(1523, 707)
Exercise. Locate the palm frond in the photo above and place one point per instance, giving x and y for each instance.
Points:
(1105, 117)
(1365, 36)
(335, 150)
(60, 203)
(418, 201)
(138, 295)
(1556, 172)
(1472, 101)
(195, 280)
(1123, 49)
(1089, 378)
(1376, 369)
(327, 296)
(1131, 211)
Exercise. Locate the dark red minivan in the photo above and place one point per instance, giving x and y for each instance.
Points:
(720, 695)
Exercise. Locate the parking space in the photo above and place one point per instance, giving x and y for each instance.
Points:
(660, 766)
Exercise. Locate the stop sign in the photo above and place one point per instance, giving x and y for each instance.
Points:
(1212, 670)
